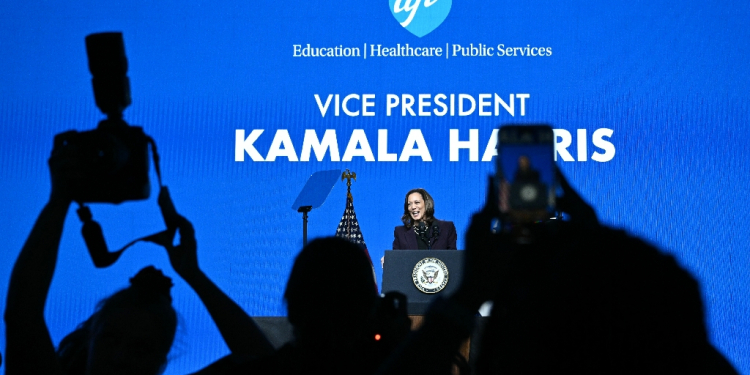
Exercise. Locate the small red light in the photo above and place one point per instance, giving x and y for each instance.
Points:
(377, 337)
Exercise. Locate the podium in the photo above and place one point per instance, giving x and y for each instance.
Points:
(399, 275)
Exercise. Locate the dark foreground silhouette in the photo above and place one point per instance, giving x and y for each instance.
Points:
(130, 332)
(575, 298)
(335, 312)
(571, 297)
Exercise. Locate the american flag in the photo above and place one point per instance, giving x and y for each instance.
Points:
(349, 228)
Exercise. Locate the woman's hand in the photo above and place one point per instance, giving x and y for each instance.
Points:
(184, 257)
(240, 333)
(65, 174)
(483, 255)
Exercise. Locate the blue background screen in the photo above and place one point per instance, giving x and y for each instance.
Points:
(649, 101)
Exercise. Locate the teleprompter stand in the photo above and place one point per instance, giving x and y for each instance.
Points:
(313, 194)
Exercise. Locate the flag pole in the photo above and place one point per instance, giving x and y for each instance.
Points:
(304, 210)
(348, 175)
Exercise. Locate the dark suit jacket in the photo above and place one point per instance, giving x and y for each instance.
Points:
(406, 239)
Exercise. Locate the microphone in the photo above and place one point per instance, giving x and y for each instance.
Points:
(434, 237)
(421, 230)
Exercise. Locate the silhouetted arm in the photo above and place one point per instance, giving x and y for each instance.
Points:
(448, 322)
(432, 348)
(238, 329)
(29, 348)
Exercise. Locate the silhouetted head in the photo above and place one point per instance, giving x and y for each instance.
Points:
(331, 293)
(130, 333)
(594, 302)
(418, 206)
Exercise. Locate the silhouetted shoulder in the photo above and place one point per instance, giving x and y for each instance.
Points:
(596, 299)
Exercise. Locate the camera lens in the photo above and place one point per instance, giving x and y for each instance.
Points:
(109, 67)
(106, 53)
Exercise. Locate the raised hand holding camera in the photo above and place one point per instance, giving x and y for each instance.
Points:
(110, 163)
(114, 156)
(184, 256)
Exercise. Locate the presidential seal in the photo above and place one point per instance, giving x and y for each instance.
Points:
(430, 275)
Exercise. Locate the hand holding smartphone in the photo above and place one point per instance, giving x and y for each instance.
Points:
(526, 176)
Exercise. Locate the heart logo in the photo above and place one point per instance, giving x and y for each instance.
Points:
(420, 17)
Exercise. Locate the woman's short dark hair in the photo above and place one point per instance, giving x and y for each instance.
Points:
(149, 290)
(429, 208)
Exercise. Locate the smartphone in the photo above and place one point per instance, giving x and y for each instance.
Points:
(525, 176)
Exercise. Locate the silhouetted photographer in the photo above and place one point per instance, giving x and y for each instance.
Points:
(130, 332)
(579, 299)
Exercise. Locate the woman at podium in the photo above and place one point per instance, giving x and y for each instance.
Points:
(421, 230)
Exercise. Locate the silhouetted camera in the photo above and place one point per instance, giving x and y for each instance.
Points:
(113, 157)
(392, 325)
